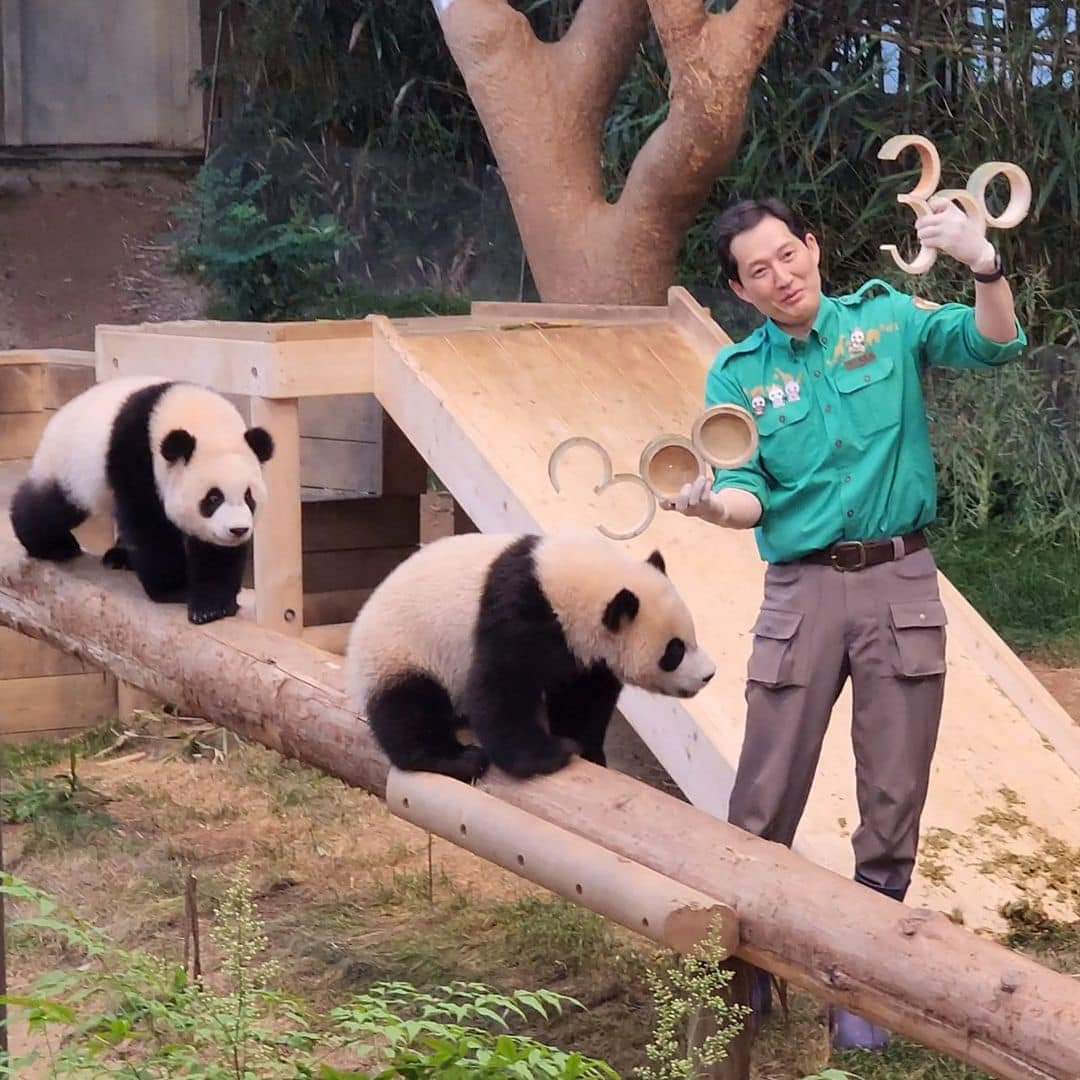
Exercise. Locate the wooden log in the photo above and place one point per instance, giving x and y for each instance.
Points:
(910, 969)
(612, 885)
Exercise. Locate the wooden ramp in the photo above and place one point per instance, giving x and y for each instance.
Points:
(487, 401)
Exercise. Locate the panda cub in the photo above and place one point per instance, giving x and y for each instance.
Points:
(178, 468)
(483, 630)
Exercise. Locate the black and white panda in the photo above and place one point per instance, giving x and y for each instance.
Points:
(485, 630)
(178, 468)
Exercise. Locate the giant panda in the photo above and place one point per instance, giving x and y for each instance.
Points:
(489, 631)
(179, 469)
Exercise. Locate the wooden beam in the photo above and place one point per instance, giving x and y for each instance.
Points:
(910, 969)
(640, 899)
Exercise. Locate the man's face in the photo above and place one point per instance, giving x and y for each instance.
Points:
(778, 272)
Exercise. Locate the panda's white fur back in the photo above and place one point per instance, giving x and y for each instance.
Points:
(404, 624)
(74, 446)
(75, 443)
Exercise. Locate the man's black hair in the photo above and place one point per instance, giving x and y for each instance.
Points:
(743, 215)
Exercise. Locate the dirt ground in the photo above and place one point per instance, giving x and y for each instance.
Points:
(344, 888)
(82, 245)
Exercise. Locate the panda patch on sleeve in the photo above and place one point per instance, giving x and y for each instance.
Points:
(178, 468)
(492, 632)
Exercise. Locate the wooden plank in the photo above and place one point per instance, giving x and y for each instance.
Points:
(338, 606)
(279, 596)
(65, 381)
(259, 332)
(340, 465)
(333, 637)
(22, 388)
(11, 32)
(404, 470)
(56, 701)
(525, 312)
(696, 323)
(361, 569)
(382, 521)
(20, 434)
(305, 368)
(355, 417)
(24, 657)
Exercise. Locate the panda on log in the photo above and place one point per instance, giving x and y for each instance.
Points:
(492, 631)
(178, 468)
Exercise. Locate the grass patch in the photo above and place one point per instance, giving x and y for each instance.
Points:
(1027, 588)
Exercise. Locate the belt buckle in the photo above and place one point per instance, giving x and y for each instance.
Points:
(848, 544)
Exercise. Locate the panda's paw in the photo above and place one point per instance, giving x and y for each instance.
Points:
(200, 616)
(117, 558)
(539, 761)
(471, 764)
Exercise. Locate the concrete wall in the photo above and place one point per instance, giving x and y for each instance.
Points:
(101, 73)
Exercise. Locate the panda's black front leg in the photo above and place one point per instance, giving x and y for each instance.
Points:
(581, 710)
(503, 706)
(155, 551)
(215, 575)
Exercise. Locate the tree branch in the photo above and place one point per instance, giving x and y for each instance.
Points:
(597, 50)
(712, 60)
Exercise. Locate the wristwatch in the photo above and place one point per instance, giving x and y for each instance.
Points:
(993, 275)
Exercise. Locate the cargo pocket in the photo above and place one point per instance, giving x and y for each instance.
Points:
(773, 657)
(919, 632)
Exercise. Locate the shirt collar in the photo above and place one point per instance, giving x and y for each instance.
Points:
(822, 328)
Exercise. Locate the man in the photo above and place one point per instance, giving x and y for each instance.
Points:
(839, 491)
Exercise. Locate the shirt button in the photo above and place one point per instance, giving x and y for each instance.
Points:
(817, 374)
(828, 408)
(847, 479)
(783, 419)
(839, 443)
(851, 513)
(866, 378)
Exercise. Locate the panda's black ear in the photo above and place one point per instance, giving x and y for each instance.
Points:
(623, 605)
(260, 440)
(657, 560)
(178, 444)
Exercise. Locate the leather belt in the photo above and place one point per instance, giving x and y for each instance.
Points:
(850, 555)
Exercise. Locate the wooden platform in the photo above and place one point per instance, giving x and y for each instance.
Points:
(487, 405)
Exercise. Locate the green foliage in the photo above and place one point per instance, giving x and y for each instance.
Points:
(689, 997)
(263, 270)
(133, 1014)
(1006, 450)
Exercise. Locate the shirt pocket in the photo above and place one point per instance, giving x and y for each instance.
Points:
(775, 657)
(785, 441)
(918, 628)
(872, 395)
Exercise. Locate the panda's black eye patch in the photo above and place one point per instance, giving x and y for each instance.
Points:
(673, 654)
(250, 500)
(210, 502)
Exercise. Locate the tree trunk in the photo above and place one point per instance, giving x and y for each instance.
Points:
(909, 969)
(543, 107)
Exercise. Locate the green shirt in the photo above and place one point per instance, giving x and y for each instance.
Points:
(843, 441)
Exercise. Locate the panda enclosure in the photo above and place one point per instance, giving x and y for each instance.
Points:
(482, 400)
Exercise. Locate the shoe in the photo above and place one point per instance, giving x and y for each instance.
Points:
(851, 1032)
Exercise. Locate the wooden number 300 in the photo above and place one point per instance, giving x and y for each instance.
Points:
(972, 199)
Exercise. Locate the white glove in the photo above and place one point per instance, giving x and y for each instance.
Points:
(947, 228)
(696, 499)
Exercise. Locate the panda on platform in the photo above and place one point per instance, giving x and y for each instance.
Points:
(491, 631)
(179, 469)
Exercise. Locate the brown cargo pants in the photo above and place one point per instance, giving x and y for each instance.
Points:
(884, 626)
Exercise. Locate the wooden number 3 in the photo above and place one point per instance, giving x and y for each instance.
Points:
(972, 199)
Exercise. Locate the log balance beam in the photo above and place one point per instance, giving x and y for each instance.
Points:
(910, 969)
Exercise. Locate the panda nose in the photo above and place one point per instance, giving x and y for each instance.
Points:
(239, 530)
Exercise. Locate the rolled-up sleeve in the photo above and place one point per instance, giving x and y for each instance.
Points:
(947, 336)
